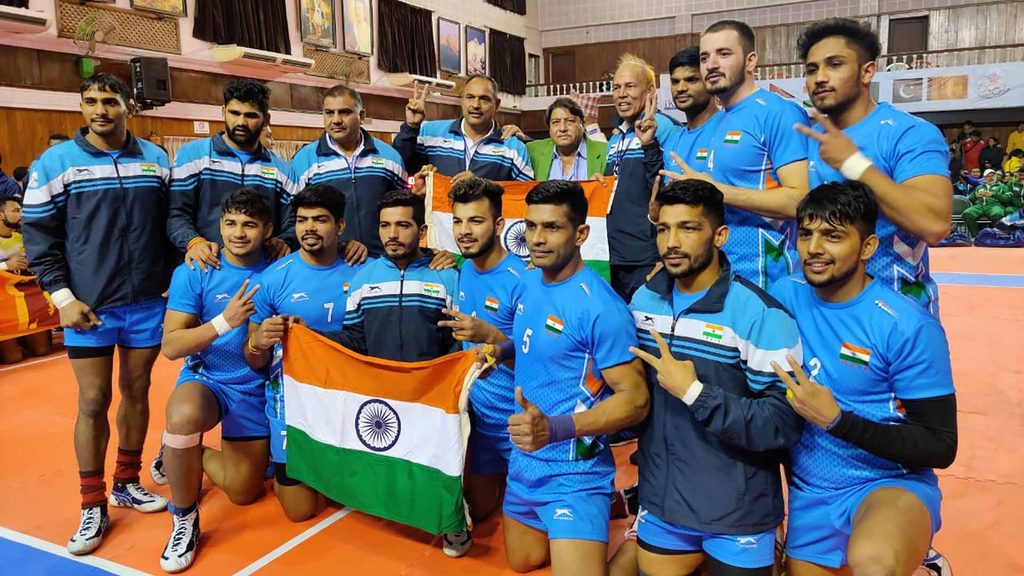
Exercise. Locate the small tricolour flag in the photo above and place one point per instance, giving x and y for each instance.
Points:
(386, 438)
(733, 137)
(345, 287)
(378, 162)
(268, 172)
(554, 325)
(491, 304)
(702, 154)
(431, 289)
(148, 168)
(713, 332)
(854, 355)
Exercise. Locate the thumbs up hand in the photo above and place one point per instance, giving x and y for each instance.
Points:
(529, 428)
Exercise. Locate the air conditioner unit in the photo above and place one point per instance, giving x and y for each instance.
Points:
(23, 20)
(241, 54)
(405, 79)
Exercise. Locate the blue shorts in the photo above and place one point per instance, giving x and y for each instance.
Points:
(820, 524)
(740, 550)
(582, 515)
(134, 326)
(489, 450)
(242, 412)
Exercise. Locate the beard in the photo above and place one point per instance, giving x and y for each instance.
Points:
(697, 263)
(244, 140)
(727, 84)
(12, 225)
(836, 104)
(482, 247)
(838, 277)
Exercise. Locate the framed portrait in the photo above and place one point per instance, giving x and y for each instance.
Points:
(449, 45)
(357, 16)
(168, 7)
(316, 22)
(476, 51)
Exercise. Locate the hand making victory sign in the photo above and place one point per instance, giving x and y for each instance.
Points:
(835, 146)
(416, 108)
(470, 328)
(675, 376)
(814, 402)
(647, 125)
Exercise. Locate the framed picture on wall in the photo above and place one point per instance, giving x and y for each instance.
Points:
(357, 16)
(476, 51)
(316, 22)
(169, 7)
(449, 45)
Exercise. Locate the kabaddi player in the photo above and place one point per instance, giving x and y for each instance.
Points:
(690, 95)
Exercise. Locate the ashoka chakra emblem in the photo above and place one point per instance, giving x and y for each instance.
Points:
(515, 239)
(377, 425)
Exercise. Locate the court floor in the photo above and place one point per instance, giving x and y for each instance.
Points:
(982, 303)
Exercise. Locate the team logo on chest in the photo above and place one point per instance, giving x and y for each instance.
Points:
(854, 356)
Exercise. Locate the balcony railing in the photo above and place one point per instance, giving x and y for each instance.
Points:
(887, 62)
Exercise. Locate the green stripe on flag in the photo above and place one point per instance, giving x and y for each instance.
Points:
(602, 267)
(379, 485)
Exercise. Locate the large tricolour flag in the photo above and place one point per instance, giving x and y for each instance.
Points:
(594, 250)
(24, 307)
(386, 438)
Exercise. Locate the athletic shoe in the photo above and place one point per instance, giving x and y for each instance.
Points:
(156, 469)
(133, 495)
(181, 547)
(91, 529)
(935, 564)
(457, 544)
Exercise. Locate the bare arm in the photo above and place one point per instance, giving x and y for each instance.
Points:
(626, 407)
(184, 335)
(922, 206)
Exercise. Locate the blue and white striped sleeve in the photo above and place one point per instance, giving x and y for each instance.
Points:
(44, 219)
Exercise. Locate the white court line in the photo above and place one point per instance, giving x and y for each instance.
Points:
(50, 547)
(287, 546)
(33, 362)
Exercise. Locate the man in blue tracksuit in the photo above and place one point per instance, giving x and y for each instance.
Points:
(94, 219)
(471, 144)
(347, 158)
(207, 171)
(710, 489)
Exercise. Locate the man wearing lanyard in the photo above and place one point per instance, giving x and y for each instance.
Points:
(349, 159)
(568, 154)
(471, 144)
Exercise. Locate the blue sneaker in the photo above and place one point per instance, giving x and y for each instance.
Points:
(133, 495)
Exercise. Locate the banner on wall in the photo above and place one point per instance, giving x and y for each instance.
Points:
(24, 307)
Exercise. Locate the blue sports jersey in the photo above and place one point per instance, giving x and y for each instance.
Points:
(316, 294)
(565, 333)
(693, 146)
(871, 352)
(902, 147)
(755, 138)
(488, 295)
(205, 295)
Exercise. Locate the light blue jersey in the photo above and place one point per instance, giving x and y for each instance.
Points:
(565, 334)
(871, 352)
(755, 138)
(693, 146)
(902, 147)
(205, 295)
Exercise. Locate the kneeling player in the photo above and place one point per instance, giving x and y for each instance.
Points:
(204, 313)
(879, 401)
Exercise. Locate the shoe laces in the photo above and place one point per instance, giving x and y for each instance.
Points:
(90, 518)
(182, 532)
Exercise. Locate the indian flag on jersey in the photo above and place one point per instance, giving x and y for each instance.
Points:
(854, 355)
(702, 154)
(268, 172)
(386, 438)
(148, 168)
(491, 304)
(595, 250)
(554, 325)
(733, 137)
(713, 332)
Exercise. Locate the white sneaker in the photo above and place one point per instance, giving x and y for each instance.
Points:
(156, 468)
(181, 546)
(935, 564)
(135, 496)
(457, 544)
(91, 529)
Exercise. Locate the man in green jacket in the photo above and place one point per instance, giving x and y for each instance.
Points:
(568, 154)
(990, 199)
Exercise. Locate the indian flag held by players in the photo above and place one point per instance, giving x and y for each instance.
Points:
(854, 355)
(594, 250)
(386, 438)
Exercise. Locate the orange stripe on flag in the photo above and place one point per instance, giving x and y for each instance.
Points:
(857, 349)
(314, 360)
(514, 198)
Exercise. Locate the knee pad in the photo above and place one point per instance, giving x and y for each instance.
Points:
(181, 441)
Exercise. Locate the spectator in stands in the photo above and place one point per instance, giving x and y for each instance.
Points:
(1015, 192)
(965, 132)
(56, 138)
(992, 154)
(962, 187)
(1014, 161)
(971, 148)
(568, 154)
(989, 200)
(956, 164)
(1016, 139)
(13, 261)
(8, 186)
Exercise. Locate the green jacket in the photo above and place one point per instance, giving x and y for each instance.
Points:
(1015, 192)
(1000, 195)
(542, 152)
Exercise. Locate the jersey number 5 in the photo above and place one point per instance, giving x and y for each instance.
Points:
(526, 340)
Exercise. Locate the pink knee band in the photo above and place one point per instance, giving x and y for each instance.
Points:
(181, 441)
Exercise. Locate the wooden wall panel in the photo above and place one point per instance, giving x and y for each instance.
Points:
(595, 61)
(976, 26)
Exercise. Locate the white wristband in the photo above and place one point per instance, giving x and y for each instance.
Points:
(691, 395)
(62, 297)
(220, 324)
(854, 166)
